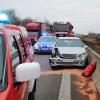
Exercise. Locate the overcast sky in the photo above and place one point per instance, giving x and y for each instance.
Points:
(83, 14)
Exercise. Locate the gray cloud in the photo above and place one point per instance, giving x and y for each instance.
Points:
(84, 14)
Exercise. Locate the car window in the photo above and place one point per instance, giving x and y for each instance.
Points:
(15, 55)
(47, 39)
(3, 70)
(20, 41)
(69, 43)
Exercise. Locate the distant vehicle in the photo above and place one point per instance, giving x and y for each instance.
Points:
(68, 51)
(77, 35)
(18, 72)
(62, 29)
(61, 34)
(35, 30)
(45, 44)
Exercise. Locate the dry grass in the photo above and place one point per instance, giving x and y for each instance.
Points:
(92, 42)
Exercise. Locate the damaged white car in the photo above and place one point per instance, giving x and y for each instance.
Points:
(68, 51)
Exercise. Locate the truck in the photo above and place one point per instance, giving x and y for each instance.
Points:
(35, 30)
(62, 29)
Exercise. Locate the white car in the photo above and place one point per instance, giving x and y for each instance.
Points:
(68, 51)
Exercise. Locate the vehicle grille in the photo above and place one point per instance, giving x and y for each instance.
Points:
(69, 56)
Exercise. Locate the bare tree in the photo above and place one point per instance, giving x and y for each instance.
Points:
(14, 19)
(11, 15)
(26, 20)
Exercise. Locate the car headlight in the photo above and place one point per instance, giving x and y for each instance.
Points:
(36, 46)
(81, 55)
(48, 46)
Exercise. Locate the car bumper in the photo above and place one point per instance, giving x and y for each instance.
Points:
(67, 62)
(42, 51)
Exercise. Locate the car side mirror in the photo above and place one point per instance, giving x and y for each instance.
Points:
(27, 71)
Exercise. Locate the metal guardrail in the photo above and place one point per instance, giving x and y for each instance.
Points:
(93, 56)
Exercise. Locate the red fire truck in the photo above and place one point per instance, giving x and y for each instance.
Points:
(35, 30)
(62, 29)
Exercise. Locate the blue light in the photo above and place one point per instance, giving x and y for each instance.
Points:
(4, 18)
(44, 34)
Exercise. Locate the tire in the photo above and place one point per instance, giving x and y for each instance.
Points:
(31, 95)
(85, 64)
(53, 67)
(35, 52)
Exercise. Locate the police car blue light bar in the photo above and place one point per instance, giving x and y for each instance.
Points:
(44, 34)
(4, 18)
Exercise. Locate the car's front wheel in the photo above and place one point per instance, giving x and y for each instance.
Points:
(86, 62)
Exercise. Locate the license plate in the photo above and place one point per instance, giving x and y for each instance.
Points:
(44, 48)
(67, 60)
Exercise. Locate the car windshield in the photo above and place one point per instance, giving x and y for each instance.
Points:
(2, 63)
(47, 39)
(69, 43)
(33, 33)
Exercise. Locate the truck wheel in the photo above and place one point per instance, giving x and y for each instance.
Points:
(31, 95)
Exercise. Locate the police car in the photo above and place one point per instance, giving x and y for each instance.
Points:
(45, 44)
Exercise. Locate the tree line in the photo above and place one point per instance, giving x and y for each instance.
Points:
(16, 20)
